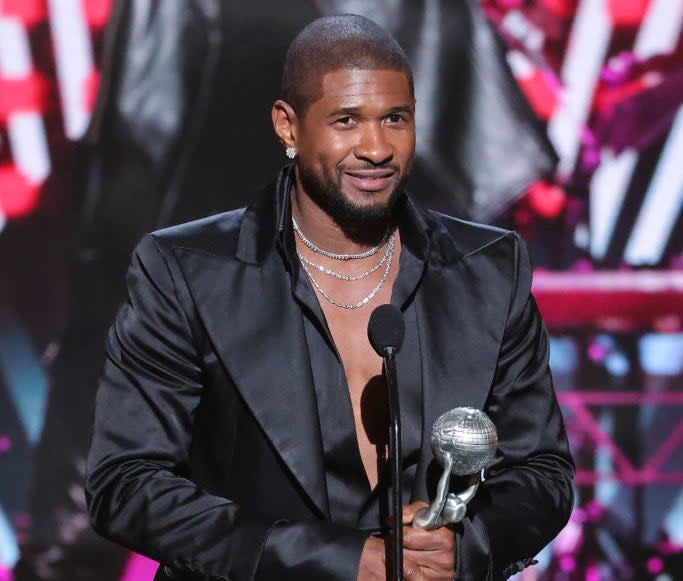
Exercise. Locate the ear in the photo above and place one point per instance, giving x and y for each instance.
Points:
(284, 123)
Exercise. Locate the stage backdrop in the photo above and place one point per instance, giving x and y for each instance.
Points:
(605, 230)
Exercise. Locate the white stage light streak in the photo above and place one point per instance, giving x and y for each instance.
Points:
(658, 34)
(15, 52)
(607, 192)
(26, 129)
(588, 44)
(674, 518)
(73, 54)
(520, 65)
(29, 146)
(9, 551)
(662, 204)
(660, 28)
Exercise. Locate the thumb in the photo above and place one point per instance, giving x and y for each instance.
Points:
(409, 510)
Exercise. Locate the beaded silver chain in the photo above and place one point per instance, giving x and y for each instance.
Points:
(315, 248)
(366, 299)
(351, 277)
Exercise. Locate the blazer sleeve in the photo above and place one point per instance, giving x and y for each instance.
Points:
(138, 488)
(527, 495)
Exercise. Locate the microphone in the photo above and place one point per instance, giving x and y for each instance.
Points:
(386, 331)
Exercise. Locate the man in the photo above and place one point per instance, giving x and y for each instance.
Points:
(240, 421)
(136, 184)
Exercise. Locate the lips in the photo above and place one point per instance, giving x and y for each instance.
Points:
(370, 180)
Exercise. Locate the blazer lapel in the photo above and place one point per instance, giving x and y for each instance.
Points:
(243, 295)
(460, 336)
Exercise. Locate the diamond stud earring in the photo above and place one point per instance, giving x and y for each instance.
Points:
(290, 152)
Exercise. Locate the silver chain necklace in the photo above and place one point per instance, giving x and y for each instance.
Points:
(351, 277)
(366, 299)
(315, 248)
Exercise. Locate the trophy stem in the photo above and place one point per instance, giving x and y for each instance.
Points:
(430, 518)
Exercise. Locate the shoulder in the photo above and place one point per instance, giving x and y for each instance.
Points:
(463, 239)
(217, 234)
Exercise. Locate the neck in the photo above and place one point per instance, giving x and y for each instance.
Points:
(328, 233)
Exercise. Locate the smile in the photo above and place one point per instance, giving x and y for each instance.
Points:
(370, 180)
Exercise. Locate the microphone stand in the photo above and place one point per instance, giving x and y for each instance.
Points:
(386, 331)
(396, 503)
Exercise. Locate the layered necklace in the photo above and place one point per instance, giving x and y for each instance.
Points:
(307, 264)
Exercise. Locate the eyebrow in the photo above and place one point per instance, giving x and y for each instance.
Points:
(355, 110)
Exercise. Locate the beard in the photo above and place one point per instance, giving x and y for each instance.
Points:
(362, 224)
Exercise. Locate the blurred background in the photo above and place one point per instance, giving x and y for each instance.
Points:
(562, 119)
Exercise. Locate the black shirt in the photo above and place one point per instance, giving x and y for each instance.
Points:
(351, 500)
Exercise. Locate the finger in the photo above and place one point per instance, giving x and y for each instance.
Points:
(424, 540)
(438, 562)
(411, 570)
(409, 510)
(415, 571)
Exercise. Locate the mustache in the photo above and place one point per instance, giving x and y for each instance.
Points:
(369, 166)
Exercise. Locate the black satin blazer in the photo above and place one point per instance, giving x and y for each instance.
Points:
(207, 453)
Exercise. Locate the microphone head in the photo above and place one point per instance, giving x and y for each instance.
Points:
(386, 329)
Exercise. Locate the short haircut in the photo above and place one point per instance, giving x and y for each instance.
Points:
(335, 43)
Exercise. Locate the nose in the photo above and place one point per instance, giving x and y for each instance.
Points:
(373, 145)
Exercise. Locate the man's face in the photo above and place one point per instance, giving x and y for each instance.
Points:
(355, 144)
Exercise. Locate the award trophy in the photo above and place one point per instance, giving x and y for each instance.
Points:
(464, 441)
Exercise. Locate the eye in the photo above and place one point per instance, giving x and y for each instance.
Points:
(395, 118)
(344, 121)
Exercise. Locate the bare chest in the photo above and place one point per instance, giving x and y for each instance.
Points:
(363, 372)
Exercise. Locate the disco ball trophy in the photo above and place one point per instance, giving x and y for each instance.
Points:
(464, 441)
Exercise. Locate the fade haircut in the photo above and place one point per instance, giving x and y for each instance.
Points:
(334, 43)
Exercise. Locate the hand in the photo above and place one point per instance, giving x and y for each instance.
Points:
(427, 555)
(372, 566)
